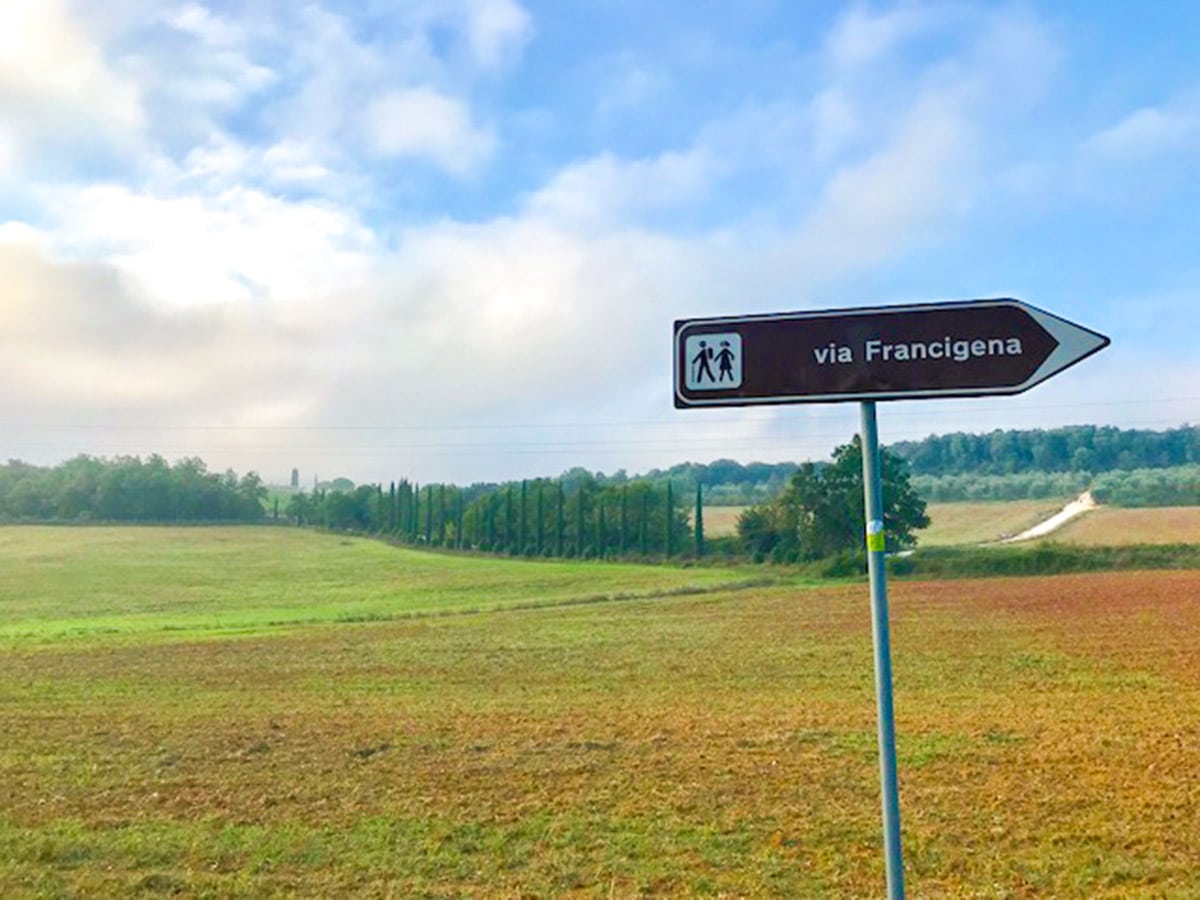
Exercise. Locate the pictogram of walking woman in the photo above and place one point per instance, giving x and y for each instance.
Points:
(724, 362)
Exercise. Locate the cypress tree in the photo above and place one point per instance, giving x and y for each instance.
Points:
(441, 517)
(508, 518)
(624, 539)
(644, 525)
(522, 532)
(669, 537)
(391, 508)
(415, 512)
(406, 510)
(541, 518)
(579, 524)
(558, 543)
(601, 528)
(698, 523)
(428, 514)
(405, 513)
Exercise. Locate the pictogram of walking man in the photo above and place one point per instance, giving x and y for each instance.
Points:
(701, 363)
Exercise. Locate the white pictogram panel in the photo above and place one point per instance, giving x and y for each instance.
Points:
(714, 361)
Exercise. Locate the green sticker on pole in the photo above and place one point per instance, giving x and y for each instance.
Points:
(876, 539)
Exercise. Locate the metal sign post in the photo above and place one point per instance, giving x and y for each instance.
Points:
(971, 348)
(881, 638)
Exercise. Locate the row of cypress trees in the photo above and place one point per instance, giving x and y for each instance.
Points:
(534, 517)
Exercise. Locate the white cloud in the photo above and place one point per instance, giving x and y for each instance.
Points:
(420, 122)
(237, 245)
(836, 124)
(988, 64)
(606, 190)
(210, 28)
(195, 68)
(633, 83)
(496, 30)
(293, 161)
(57, 93)
(1146, 133)
(77, 335)
(872, 209)
(225, 161)
(233, 278)
(862, 37)
(565, 306)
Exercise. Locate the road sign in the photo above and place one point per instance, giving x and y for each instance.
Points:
(966, 349)
(962, 349)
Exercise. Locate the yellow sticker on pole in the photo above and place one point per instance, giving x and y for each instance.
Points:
(876, 540)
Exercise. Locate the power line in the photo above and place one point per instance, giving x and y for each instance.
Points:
(659, 444)
(894, 410)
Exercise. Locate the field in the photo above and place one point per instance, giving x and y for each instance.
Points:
(1110, 526)
(88, 580)
(719, 743)
(721, 521)
(956, 524)
(952, 524)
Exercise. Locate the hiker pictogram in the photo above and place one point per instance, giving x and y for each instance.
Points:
(714, 361)
(725, 359)
(700, 363)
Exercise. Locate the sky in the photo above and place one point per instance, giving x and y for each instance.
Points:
(447, 239)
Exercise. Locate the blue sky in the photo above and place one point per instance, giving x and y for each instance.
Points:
(447, 240)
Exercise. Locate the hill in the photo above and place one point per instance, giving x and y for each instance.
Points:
(1126, 467)
(1086, 449)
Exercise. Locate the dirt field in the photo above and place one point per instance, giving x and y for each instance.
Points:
(723, 745)
(721, 521)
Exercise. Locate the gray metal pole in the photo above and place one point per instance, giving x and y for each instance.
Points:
(873, 494)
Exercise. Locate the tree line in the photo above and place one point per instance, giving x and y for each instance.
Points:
(1087, 449)
(577, 515)
(1019, 486)
(726, 482)
(1171, 486)
(128, 489)
(1176, 486)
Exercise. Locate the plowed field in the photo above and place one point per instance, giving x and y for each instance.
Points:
(720, 745)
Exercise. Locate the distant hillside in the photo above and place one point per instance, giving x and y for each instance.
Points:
(727, 482)
(1086, 449)
(1000, 465)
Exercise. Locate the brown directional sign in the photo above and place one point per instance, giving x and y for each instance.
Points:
(962, 349)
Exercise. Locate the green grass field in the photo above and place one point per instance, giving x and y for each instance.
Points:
(715, 744)
(88, 580)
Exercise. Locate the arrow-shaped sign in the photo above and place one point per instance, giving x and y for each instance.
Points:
(963, 349)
